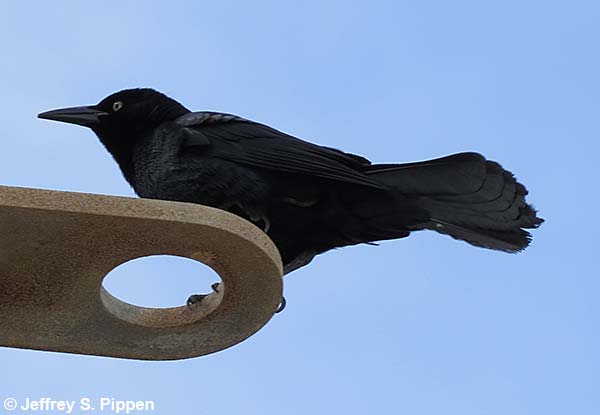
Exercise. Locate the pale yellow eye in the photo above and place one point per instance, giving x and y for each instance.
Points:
(117, 106)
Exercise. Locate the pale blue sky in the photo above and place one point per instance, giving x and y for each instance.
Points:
(425, 325)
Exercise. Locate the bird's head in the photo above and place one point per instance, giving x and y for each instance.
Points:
(122, 118)
(122, 114)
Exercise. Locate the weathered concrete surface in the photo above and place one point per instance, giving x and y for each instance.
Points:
(56, 248)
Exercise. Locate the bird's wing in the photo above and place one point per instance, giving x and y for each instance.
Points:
(245, 142)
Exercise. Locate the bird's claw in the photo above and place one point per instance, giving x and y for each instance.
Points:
(261, 220)
(265, 222)
(267, 225)
(282, 305)
(197, 298)
(194, 299)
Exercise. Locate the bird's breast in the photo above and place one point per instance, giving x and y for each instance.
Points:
(162, 172)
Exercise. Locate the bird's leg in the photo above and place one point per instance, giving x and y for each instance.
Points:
(253, 216)
(256, 216)
(197, 298)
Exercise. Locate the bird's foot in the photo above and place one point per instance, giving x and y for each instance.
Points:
(267, 225)
(261, 220)
(197, 298)
(254, 216)
(282, 305)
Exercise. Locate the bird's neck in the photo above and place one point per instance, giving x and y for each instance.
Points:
(122, 150)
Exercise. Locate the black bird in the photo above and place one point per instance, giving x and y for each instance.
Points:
(307, 198)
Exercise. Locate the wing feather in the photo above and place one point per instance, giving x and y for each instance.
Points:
(245, 142)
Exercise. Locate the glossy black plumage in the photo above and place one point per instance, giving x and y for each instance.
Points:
(308, 198)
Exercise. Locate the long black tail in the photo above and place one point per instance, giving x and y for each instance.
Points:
(467, 197)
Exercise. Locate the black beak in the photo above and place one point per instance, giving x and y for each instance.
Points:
(86, 116)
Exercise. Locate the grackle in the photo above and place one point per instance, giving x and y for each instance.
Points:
(308, 198)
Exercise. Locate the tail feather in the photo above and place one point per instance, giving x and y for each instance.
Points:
(508, 241)
(467, 197)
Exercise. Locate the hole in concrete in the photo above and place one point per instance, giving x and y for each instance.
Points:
(150, 291)
(159, 281)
